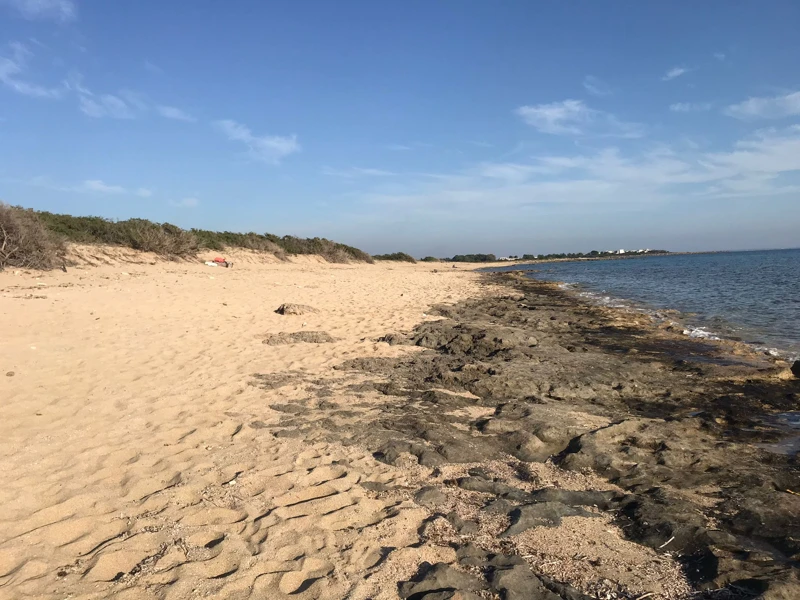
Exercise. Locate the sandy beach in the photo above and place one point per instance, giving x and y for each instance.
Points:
(161, 439)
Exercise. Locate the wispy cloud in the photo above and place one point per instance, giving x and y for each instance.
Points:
(59, 10)
(354, 172)
(125, 104)
(690, 106)
(719, 55)
(153, 68)
(98, 186)
(185, 203)
(573, 117)
(766, 164)
(87, 186)
(269, 149)
(15, 65)
(135, 99)
(773, 107)
(106, 105)
(674, 72)
(596, 86)
(170, 112)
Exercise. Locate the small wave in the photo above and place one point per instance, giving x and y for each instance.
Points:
(700, 333)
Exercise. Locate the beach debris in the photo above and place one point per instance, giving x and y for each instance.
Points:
(308, 337)
(210, 263)
(10, 374)
(222, 262)
(295, 309)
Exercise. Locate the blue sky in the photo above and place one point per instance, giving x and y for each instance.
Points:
(429, 127)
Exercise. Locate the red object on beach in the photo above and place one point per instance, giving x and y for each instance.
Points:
(219, 259)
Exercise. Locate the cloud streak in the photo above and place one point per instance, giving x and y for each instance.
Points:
(690, 106)
(106, 105)
(98, 186)
(15, 65)
(759, 166)
(170, 112)
(269, 149)
(355, 172)
(59, 10)
(574, 117)
(673, 73)
(772, 107)
(596, 86)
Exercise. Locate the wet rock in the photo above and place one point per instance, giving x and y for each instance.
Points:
(796, 369)
(460, 451)
(430, 497)
(517, 582)
(295, 309)
(474, 341)
(479, 484)
(308, 337)
(374, 486)
(471, 555)
(542, 514)
(501, 506)
(526, 446)
(393, 339)
(438, 579)
(602, 500)
(460, 525)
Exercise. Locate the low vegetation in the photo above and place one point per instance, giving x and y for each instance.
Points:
(401, 256)
(472, 258)
(430, 259)
(36, 239)
(25, 242)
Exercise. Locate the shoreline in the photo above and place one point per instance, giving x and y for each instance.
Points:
(456, 431)
(694, 325)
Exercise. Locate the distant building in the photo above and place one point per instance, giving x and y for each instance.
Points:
(621, 251)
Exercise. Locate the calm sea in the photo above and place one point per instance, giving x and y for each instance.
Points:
(750, 296)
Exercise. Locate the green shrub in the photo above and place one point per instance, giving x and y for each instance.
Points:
(430, 259)
(172, 241)
(399, 256)
(473, 258)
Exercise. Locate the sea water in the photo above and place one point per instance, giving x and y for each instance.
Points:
(752, 296)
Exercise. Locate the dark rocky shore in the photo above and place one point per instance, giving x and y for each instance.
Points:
(676, 427)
